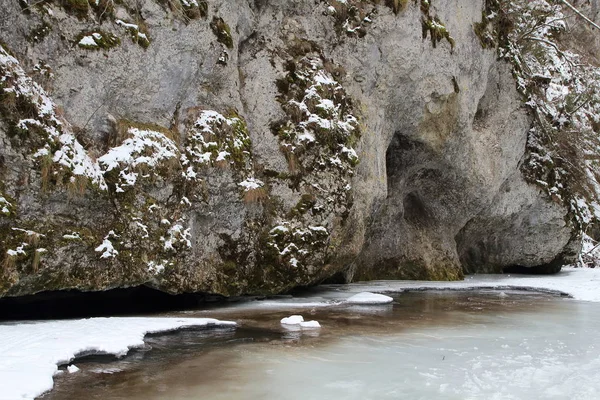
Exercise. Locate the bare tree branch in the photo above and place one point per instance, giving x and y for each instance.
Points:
(589, 21)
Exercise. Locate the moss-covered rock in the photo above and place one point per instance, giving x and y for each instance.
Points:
(222, 31)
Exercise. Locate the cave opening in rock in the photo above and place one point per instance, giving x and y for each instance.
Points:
(76, 304)
(408, 171)
(395, 161)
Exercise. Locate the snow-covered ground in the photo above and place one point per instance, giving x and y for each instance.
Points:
(579, 283)
(31, 352)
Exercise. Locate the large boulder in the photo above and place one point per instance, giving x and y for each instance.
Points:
(255, 146)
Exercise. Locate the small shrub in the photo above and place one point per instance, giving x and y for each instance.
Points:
(138, 32)
(255, 195)
(79, 8)
(396, 5)
(35, 263)
(38, 33)
(124, 125)
(104, 9)
(437, 31)
(46, 171)
(97, 40)
(76, 185)
(10, 262)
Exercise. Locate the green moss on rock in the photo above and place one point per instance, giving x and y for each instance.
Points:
(97, 40)
(39, 32)
(79, 8)
(394, 269)
(436, 30)
(137, 32)
(222, 31)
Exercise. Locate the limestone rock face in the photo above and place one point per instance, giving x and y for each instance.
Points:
(244, 147)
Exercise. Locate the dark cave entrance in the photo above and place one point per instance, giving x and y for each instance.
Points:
(116, 302)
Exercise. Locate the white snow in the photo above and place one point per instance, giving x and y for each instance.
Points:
(88, 41)
(127, 25)
(156, 268)
(31, 352)
(144, 148)
(69, 153)
(106, 248)
(210, 139)
(17, 251)
(279, 229)
(251, 184)
(177, 234)
(321, 109)
(579, 283)
(318, 229)
(4, 204)
(310, 324)
(292, 320)
(369, 298)
(72, 369)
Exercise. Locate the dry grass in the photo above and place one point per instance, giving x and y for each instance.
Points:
(45, 172)
(223, 164)
(255, 195)
(33, 239)
(77, 185)
(9, 262)
(37, 256)
(396, 5)
(123, 126)
(291, 157)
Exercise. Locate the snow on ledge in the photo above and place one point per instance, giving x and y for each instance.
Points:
(31, 352)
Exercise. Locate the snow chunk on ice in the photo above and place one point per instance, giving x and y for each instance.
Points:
(310, 324)
(72, 369)
(369, 298)
(298, 321)
(293, 320)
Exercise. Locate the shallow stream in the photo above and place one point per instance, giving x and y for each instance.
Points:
(426, 345)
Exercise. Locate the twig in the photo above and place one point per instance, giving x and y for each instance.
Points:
(589, 21)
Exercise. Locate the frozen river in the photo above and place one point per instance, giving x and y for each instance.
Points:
(426, 345)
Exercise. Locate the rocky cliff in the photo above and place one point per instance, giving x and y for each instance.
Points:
(245, 147)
